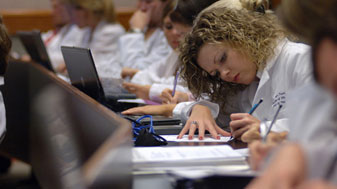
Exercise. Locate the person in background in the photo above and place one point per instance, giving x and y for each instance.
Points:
(65, 34)
(149, 83)
(145, 44)
(5, 47)
(101, 34)
(309, 159)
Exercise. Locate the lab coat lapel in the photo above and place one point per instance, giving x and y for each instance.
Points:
(264, 87)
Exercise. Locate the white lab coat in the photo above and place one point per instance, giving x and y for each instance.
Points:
(138, 53)
(312, 117)
(103, 42)
(160, 76)
(289, 69)
(69, 35)
(2, 113)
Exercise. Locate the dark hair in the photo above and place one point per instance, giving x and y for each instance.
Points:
(168, 8)
(5, 47)
(328, 30)
(187, 10)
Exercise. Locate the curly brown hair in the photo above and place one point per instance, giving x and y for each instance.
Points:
(5, 47)
(253, 34)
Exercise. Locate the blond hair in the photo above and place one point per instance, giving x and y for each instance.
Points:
(101, 8)
(255, 35)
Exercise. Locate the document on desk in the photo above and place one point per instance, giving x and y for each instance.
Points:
(207, 138)
(138, 101)
(183, 153)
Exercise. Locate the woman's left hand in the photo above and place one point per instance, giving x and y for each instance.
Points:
(141, 91)
(242, 122)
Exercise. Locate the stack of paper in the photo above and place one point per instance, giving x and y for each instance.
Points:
(145, 157)
(207, 138)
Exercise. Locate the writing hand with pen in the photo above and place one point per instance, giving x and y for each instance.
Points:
(202, 119)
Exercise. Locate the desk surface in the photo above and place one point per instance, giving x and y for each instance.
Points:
(164, 180)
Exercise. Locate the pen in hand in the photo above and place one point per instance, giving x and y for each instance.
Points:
(264, 138)
(251, 111)
(175, 84)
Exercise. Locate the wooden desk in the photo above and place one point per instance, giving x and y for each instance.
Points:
(25, 20)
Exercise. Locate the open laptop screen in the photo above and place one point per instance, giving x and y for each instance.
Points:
(34, 45)
(82, 71)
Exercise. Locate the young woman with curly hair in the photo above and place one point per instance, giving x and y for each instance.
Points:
(244, 55)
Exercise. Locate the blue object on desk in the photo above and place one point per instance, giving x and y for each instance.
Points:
(144, 135)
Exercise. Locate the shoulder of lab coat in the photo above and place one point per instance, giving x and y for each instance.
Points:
(162, 72)
(69, 35)
(104, 47)
(138, 53)
(289, 69)
(2, 113)
(313, 122)
(183, 110)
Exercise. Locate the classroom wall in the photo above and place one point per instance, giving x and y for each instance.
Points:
(44, 4)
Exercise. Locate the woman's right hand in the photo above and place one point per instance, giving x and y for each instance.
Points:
(140, 20)
(166, 97)
(128, 72)
(201, 118)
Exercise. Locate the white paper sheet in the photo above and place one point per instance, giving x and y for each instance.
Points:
(207, 138)
(138, 101)
(183, 153)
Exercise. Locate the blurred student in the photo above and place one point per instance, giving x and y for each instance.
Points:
(5, 46)
(310, 159)
(149, 83)
(145, 44)
(101, 35)
(65, 34)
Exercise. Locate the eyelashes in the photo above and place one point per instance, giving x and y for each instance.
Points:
(223, 58)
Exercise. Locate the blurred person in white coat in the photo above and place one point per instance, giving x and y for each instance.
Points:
(309, 160)
(5, 47)
(151, 82)
(101, 34)
(65, 34)
(145, 44)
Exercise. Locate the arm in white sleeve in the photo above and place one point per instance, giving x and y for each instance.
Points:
(321, 154)
(138, 54)
(183, 110)
(2, 118)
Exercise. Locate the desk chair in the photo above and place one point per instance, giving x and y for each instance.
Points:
(96, 130)
(81, 143)
(15, 94)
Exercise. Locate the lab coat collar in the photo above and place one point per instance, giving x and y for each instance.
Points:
(263, 75)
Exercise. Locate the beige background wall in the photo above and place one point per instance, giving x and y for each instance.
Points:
(44, 4)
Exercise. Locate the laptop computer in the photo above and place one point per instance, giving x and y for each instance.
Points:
(35, 47)
(83, 75)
